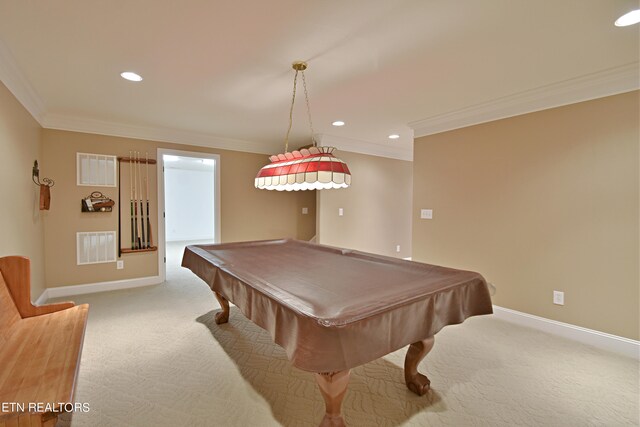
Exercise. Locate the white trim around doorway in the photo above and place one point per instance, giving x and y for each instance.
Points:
(162, 244)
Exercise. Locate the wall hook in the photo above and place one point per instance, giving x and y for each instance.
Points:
(35, 176)
(45, 186)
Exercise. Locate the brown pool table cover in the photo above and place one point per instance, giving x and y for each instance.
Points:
(333, 309)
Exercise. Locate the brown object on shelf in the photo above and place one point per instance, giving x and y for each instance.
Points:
(45, 197)
(40, 349)
(106, 204)
(333, 309)
(129, 251)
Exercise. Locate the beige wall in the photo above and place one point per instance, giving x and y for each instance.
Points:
(377, 207)
(246, 213)
(540, 202)
(20, 218)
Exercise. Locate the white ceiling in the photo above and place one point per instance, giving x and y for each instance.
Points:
(218, 72)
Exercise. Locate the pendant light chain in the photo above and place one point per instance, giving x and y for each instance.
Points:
(293, 100)
(306, 97)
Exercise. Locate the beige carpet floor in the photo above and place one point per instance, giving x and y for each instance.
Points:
(154, 356)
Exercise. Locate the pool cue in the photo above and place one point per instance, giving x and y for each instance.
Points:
(139, 200)
(119, 212)
(135, 202)
(135, 221)
(148, 218)
(142, 197)
(143, 237)
(150, 238)
(133, 238)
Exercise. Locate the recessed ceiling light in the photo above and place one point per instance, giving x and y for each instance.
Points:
(627, 19)
(338, 123)
(394, 136)
(131, 76)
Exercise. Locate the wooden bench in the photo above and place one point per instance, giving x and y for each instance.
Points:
(40, 350)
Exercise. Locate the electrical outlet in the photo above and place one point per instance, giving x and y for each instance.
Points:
(558, 297)
(340, 212)
(305, 211)
(120, 264)
(397, 248)
(426, 214)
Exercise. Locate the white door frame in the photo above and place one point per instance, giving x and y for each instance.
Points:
(162, 244)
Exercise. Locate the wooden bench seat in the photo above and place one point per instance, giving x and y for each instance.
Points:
(40, 349)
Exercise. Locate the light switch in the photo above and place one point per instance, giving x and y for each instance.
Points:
(340, 212)
(558, 297)
(305, 211)
(426, 214)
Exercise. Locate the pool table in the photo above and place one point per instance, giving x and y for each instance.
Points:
(333, 309)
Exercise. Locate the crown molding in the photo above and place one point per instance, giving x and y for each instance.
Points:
(608, 82)
(603, 83)
(76, 124)
(18, 85)
(364, 147)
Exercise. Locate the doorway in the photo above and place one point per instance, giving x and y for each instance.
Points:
(189, 204)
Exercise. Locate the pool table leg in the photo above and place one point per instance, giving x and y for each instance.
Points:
(333, 387)
(416, 382)
(222, 316)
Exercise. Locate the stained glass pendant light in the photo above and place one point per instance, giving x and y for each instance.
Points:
(309, 168)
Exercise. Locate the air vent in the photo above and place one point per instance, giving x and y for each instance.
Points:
(96, 247)
(96, 170)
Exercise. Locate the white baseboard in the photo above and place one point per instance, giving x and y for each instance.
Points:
(44, 296)
(613, 343)
(90, 288)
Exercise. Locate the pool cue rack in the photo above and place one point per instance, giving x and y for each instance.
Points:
(130, 251)
(140, 220)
